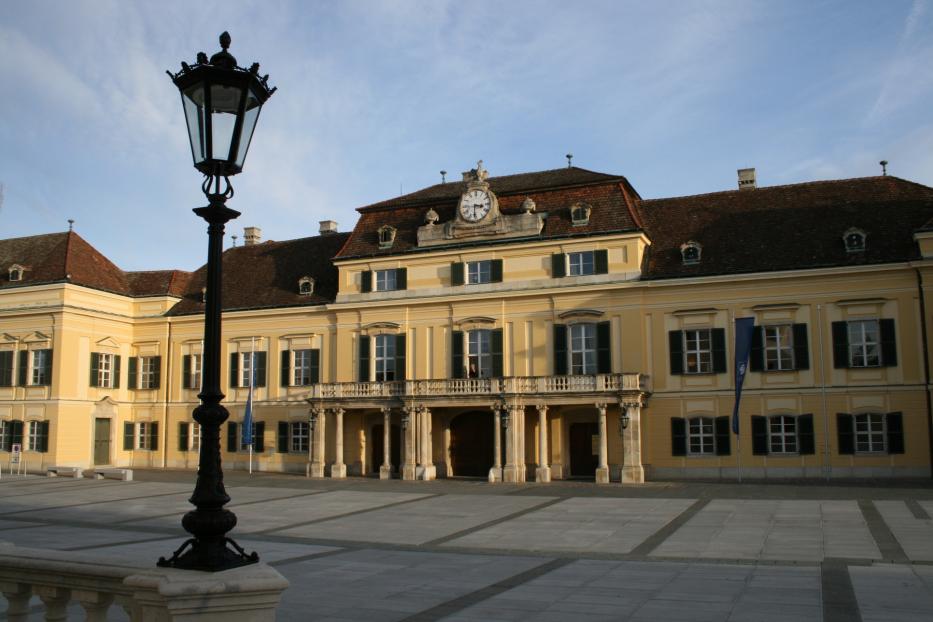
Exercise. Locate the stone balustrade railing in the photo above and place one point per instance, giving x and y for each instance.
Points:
(64, 581)
(540, 385)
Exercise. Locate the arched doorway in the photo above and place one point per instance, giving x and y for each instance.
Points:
(395, 451)
(584, 449)
(472, 444)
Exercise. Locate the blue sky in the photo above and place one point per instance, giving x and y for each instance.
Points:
(378, 96)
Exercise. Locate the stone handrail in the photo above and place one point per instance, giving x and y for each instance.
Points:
(542, 385)
(97, 583)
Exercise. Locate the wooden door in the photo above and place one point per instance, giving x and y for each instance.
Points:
(584, 449)
(102, 441)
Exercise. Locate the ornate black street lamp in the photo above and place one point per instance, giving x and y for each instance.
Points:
(222, 103)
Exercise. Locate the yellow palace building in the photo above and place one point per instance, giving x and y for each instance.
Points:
(527, 327)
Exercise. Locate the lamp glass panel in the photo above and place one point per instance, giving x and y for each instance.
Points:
(253, 106)
(193, 101)
(225, 103)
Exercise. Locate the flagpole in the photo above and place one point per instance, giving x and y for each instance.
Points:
(738, 436)
(252, 374)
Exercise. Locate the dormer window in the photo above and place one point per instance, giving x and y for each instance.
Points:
(305, 286)
(690, 252)
(386, 236)
(16, 272)
(580, 214)
(854, 240)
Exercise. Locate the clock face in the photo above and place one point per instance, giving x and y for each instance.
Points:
(475, 205)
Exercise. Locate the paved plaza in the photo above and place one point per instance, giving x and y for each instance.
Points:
(363, 549)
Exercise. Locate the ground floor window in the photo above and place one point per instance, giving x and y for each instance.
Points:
(869, 433)
(782, 436)
(701, 439)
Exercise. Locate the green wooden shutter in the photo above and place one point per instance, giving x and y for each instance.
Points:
(128, 433)
(43, 436)
(154, 436)
(806, 441)
(315, 366)
(366, 281)
(495, 271)
(496, 344)
(234, 369)
(895, 425)
(259, 372)
(719, 350)
(456, 354)
(186, 371)
(47, 370)
(400, 357)
(888, 343)
(363, 363)
(603, 348)
(95, 369)
(16, 432)
(6, 368)
(558, 265)
(131, 380)
(259, 436)
(678, 436)
(401, 278)
(723, 436)
(182, 436)
(156, 372)
(845, 433)
(675, 342)
(756, 358)
(232, 440)
(601, 261)
(284, 380)
(281, 445)
(801, 347)
(23, 367)
(759, 435)
(116, 371)
(456, 273)
(560, 350)
(840, 345)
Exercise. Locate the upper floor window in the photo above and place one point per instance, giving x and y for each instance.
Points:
(690, 252)
(144, 372)
(305, 367)
(247, 365)
(864, 343)
(305, 285)
(698, 351)
(580, 214)
(779, 347)
(385, 358)
(582, 348)
(191, 371)
(581, 263)
(386, 236)
(476, 353)
(476, 272)
(386, 280)
(105, 370)
(479, 353)
(854, 240)
(35, 368)
(479, 272)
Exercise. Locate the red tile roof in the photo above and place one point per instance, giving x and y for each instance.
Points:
(554, 192)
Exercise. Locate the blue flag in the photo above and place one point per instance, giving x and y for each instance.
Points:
(744, 329)
(248, 415)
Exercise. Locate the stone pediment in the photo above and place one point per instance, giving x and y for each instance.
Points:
(505, 226)
(108, 342)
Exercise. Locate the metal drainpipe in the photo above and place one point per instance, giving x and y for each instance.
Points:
(827, 466)
(926, 365)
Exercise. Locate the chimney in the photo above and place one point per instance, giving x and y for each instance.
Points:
(328, 227)
(251, 235)
(747, 179)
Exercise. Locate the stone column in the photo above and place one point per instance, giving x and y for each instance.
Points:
(514, 462)
(385, 471)
(338, 470)
(632, 470)
(316, 468)
(428, 470)
(448, 465)
(543, 472)
(602, 471)
(495, 473)
(409, 468)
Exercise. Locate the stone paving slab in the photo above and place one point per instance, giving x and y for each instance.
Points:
(69, 538)
(893, 593)
(604, 590)
(87, 492)
(418, 522)
(282, 513)
(382, 585)
(580, 525)
(914, 535)
(790, 530)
